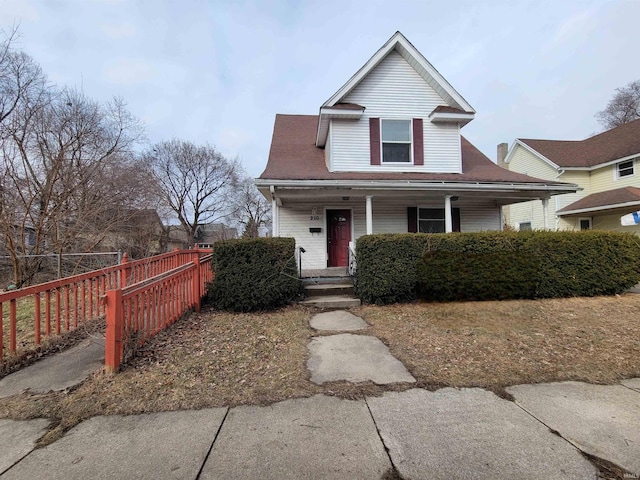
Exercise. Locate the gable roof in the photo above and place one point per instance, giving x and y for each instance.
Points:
(615, 144)
(609, 199)
(399, 43)
(294, 156)
(463, 112)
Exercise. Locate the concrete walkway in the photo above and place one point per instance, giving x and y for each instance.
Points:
(57, 372)
(415, 434)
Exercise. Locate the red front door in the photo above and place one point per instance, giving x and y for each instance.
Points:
(338, 237)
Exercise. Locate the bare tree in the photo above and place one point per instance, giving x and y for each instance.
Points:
(68, 175)
(623, 108)
(21, 78)
(197, 182)
(251, 209)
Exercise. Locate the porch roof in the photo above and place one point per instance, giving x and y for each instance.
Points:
(294, 156)
(604, 202)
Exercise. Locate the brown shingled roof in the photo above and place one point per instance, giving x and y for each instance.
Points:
(605, 199)
(447, 109)
(294, 156)
(619, 142)
(348, 106)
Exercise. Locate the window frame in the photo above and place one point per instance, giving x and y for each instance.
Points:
(528, 222)
(585, 219)
(410, 141)
(443, 219)
(618, 176)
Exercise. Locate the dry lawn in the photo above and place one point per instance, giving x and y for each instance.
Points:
(215, 359)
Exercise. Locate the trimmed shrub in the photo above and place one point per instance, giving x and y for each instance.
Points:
(254, 274)
(495, 265)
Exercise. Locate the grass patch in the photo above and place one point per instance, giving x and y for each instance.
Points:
(215, 359)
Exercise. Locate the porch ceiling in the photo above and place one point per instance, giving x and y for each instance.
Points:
(501, 196)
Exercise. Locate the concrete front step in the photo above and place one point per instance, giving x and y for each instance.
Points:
(331, 301)
(329, 289)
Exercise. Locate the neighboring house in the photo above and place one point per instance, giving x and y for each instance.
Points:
(605, 166)
(206, 235)
(385, 154)
(139, 232)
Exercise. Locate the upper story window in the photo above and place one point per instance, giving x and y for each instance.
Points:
(625, 169)
(396, 141)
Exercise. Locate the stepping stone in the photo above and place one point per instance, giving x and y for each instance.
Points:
(337, 320)
(602, 420)
(18, 438)
(309, 438)
(354, 358)
(471, 433)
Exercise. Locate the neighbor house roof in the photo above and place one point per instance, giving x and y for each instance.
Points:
(609, 199)
(294, 156)
(615, 144)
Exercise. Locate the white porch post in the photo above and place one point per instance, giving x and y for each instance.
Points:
(369, 215)
(274, 217)
(448, 221)
(545, 212)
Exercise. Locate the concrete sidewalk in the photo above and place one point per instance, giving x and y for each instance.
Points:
(416, 434)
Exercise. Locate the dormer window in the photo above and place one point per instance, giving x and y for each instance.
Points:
(396, 141)
(625, 169)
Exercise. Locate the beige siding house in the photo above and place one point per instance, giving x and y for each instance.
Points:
(605, 167)
(385, 154)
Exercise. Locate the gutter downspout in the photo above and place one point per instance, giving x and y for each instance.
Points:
(275, 231)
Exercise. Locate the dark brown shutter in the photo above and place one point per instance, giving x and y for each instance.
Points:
(455, 219)
(374, 140)
(412, 219)
(418, 142)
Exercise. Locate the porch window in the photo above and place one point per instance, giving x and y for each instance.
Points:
(431, 220)
(625, 169)
(396, 141)
(585, 224)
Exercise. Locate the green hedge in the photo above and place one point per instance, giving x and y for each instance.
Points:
(254, 274)
(495, 265)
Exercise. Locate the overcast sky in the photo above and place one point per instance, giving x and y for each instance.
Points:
(218, 71)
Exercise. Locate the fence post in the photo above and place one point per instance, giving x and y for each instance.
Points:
(196, 285)
(113, 341)
(125, 270)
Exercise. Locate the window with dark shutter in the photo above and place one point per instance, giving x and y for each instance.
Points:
(418, 142)
(374, 140)
(412, 219)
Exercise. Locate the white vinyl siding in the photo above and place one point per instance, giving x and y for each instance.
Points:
(478, 217)
(389, 216)
(394, 90)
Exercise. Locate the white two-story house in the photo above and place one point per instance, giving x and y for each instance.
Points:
(385, 155)
(605, 166)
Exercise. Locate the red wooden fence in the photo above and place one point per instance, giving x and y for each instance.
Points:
(139, 311)
(30, 314)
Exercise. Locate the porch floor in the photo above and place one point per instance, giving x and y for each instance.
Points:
(325, 272)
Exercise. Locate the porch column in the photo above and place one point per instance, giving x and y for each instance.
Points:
(274, 217)
(448, 221)
(369, 215)
(545, 212)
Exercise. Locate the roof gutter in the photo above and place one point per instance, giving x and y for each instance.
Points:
(417, 185)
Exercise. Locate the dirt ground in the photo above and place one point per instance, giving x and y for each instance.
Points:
(214, 359)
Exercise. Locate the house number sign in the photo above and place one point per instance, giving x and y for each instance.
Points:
(315, 219)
